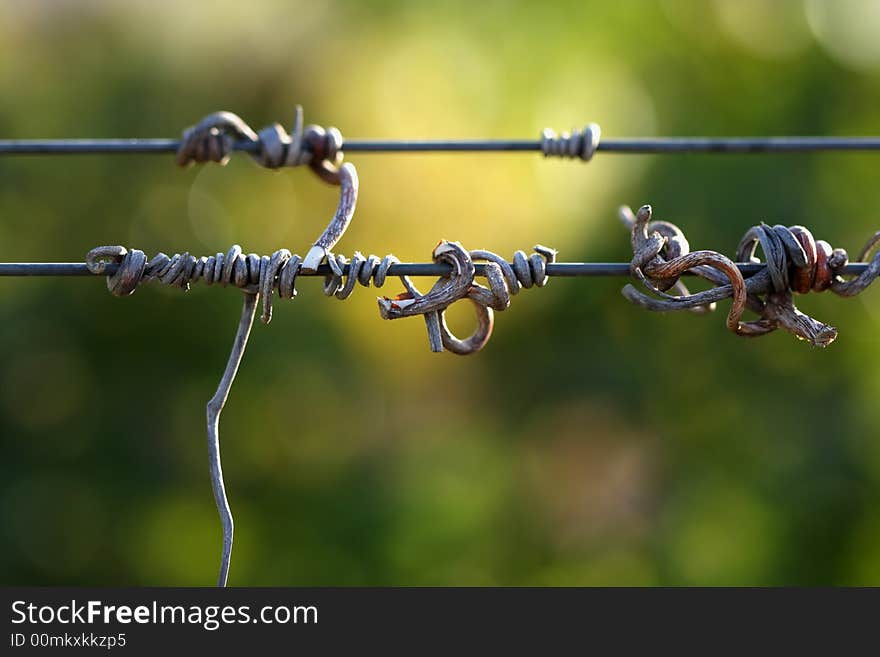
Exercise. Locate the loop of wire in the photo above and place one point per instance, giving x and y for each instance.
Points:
(276, 274)
(504, 279)
(795, 263)
(213, 138)
(577, 143)
(263, 275)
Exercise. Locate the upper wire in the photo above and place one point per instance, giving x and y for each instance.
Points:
(219, 134)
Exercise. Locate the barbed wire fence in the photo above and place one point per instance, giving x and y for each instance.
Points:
(794, 262)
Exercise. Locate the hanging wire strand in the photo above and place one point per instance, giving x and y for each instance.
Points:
(635, 145)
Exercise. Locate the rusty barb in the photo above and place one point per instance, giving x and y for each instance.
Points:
(795, 263)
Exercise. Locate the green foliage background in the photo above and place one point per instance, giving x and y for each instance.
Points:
(590, 443)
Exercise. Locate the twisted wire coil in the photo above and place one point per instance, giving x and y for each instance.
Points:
(796, 262)
(277, 274)
(213, 139)
(577, 143)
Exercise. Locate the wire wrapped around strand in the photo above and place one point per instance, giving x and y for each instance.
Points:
(577, 143)
(214, 137)
(267, 276)
(795, 262)
(504, 279)
(253, 273)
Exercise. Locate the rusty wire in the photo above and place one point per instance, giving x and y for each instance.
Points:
(795, 263)
(554, 270)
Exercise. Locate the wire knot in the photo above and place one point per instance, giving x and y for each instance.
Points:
(577, 143)
(214, 138)
(132, 265)
(795, 262)
(503, 281)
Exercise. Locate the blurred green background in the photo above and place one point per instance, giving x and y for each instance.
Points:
(590, 443)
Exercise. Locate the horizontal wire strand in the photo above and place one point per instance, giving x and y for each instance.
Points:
(557, 269)
(647, 145)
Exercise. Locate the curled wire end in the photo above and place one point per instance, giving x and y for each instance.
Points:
(131, 267)
(503, 278)
(347, 179)
(854, 286)
(213, 138)
(795, 263)
(577, 143)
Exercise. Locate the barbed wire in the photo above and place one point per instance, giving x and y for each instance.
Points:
(274, 147)
(628, 145)
(795, 261)
(554, 270)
